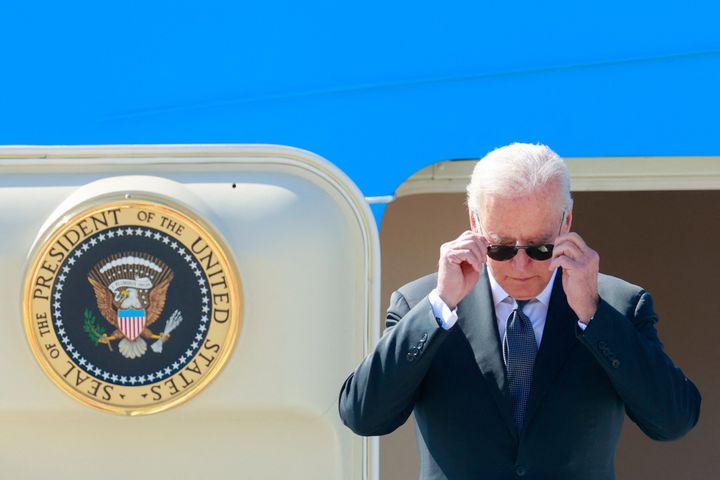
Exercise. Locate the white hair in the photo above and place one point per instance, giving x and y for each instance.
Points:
(516, 170)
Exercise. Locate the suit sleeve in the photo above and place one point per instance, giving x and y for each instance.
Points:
(380, 394)
(658, 397)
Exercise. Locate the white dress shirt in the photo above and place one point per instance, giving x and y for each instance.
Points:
(536, 310)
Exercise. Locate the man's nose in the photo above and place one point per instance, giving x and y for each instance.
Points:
(521, 260)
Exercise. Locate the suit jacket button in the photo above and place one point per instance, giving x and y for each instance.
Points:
(520, 471)
(615, 363)
(411, 357)
(424, 337)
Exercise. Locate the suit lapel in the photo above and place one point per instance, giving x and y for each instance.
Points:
(557, 341)
(476, 318)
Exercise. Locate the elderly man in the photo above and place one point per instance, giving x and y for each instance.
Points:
(518, 358)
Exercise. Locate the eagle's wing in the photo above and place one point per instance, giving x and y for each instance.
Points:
(156, 300)
(104, 299)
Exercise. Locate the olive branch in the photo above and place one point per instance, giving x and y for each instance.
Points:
(96, 333)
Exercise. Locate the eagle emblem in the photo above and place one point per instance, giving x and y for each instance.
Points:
(130, 290)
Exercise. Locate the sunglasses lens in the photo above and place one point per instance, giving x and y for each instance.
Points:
(541, 252)
(506, 252)
(501, 252)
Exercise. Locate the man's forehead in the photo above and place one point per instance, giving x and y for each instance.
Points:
(522, 237)
(544, 196)
(531, 218)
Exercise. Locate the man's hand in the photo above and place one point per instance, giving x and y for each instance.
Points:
(459, 268)
(580, 265)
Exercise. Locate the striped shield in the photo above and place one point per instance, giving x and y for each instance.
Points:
(131, 323)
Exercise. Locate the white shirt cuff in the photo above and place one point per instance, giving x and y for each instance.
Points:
(441, 311)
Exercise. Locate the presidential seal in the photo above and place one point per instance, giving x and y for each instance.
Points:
(132, 306)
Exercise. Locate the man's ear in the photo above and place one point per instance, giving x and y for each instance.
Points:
(473, 221)
(568, 220)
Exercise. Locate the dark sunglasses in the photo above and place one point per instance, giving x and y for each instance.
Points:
(506, 252)
(501, 253)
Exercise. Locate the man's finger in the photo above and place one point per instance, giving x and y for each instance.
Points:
(458, 256)
(567, 263)
(574, 238)
(568, 249)
(476, 244)
(482, 244)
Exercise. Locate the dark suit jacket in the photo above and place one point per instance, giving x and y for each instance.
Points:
(584, 383)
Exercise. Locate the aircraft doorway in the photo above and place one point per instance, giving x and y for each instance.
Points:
(655, 230)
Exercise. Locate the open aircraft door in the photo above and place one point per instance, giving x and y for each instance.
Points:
(182, 312)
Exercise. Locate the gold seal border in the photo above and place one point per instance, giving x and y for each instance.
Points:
(179, 212)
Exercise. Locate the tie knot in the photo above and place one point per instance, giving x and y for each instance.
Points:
(521, 304)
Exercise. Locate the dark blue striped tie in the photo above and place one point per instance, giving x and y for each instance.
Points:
(519, 350)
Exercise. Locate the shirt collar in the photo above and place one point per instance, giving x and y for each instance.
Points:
(500, 295)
